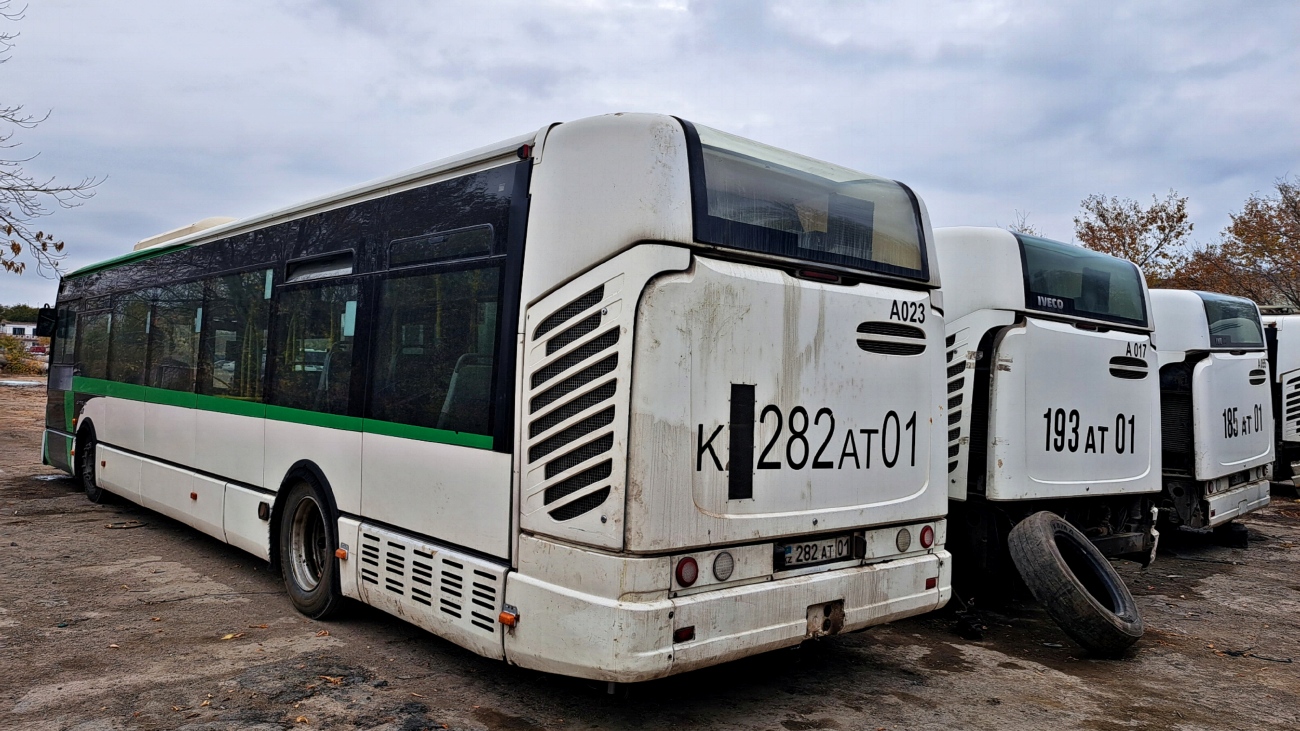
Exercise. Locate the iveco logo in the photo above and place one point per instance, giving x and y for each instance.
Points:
(1055, 303)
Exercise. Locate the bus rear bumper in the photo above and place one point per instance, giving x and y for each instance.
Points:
(1236, 502)
(582, 635)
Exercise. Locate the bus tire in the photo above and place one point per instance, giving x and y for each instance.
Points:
(87, 464)
(308, 537)
(1080, 589)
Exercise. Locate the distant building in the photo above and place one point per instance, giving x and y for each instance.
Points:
(24, 331)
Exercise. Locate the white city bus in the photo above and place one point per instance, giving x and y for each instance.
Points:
(1053, 399)
(618, 399)
(1216, 406)
(1054, 407)
(1282, 335)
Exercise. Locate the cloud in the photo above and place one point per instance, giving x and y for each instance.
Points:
(984, 107)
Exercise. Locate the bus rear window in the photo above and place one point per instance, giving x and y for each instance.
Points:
(1234, 322)
(1077, 282)
(751, 196)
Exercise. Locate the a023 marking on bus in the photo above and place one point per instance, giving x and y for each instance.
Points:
(1240, 425)
(1066, 432)
(905, 311)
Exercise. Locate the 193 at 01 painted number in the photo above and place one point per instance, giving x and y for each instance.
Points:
(1065, 432)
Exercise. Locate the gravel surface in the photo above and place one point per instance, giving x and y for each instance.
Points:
(113, 617)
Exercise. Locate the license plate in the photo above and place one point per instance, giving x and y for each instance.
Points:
(821, 550)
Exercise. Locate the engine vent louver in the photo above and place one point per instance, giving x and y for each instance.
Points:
(570, 311)
(1291, 408)
(564, 363)
(577, 431)
(582, 505)
(1258, 376)
(574, 333)
(589, 476)
(891, 338)
(1127, 367)
(572, 408)
(573, 404)
(441, 589)
(569, 460)
(956, 382)
(572, 383)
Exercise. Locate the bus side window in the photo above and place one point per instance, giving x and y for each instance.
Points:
(435, 342)
(314, 328)
(92, 346)
(233, 360)
(65, 337)
(128, 338)
(174, 337)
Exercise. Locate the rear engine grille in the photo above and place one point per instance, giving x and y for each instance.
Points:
(1127, 367)
(1291, 407)
(891, 338)
(575, 386)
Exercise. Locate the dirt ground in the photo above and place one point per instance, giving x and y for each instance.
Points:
(161, 627)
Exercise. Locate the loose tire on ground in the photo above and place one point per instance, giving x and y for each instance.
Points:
(1076, 584)
(86, 454)
(307, 542)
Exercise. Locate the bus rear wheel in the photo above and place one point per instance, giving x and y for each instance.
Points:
(308, 537)
(1075, 584)
(86, 453)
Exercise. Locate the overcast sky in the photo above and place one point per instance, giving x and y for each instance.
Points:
(985, 107)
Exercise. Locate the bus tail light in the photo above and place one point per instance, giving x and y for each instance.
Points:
(687, 571)
(684, 634)
(927, 537)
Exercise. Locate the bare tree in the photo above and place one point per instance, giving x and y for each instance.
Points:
(24, 197)
(1021, 225)
(1153, 237)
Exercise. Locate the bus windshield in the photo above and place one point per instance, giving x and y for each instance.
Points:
(1074, 281)
(760, 198)
(1234, 322)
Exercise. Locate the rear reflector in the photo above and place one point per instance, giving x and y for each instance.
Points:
(684, 634)
(931, 582)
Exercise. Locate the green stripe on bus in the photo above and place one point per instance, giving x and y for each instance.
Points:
(240, 407)
(127, 258)
(313, 418)
(236, 406)
(427, 434)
